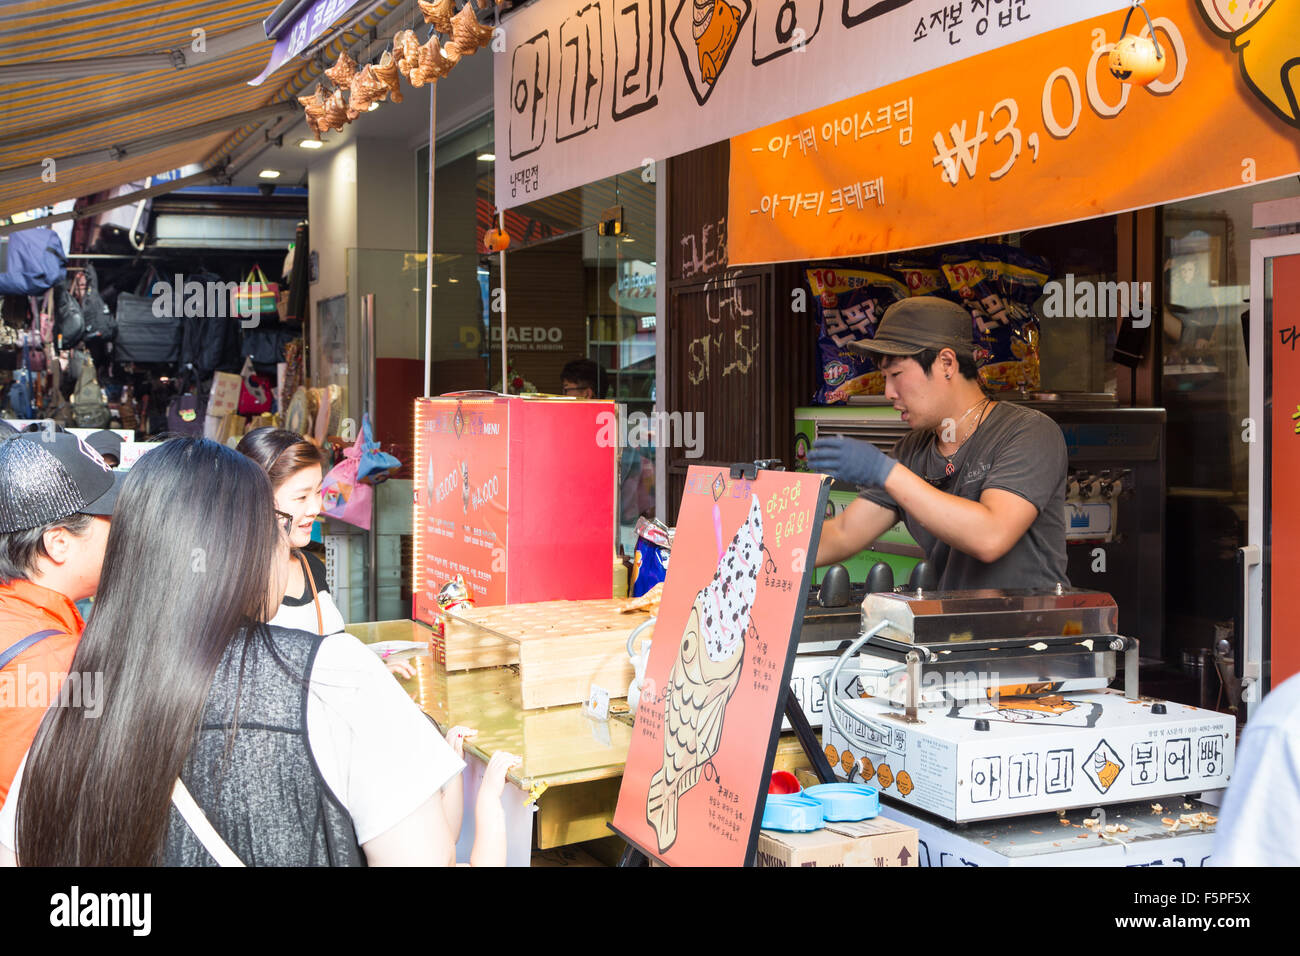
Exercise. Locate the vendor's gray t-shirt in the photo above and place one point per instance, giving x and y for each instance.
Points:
(1019, 450)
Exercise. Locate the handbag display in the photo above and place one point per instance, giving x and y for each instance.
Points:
(183, 416)
(255, 297)
(141, 335)
(33, 344)
(254, 391)
(88, 400)
(374, 466)
(223, 398)
(344, 497)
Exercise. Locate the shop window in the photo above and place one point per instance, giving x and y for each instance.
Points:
(1205, 245)
(580, 282)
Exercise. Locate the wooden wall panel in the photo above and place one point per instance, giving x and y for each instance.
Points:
(545, 289)
(735, 351)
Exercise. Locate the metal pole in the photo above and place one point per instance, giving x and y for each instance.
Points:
(505, 383)
(428, 249)
(372, 580)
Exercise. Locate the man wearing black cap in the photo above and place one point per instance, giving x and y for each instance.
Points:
(980, 484)
(56, 496)
(109, 445)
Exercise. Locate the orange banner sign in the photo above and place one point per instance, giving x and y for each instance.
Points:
(1027, 135)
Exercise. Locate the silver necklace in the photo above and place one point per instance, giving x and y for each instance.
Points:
(949, 467)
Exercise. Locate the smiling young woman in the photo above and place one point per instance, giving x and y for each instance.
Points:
(295, 467)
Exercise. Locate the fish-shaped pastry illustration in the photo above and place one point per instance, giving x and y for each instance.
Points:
(1266, 34)
(714, 25)
(706, 673)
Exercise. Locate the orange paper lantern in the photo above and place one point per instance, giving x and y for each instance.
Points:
(1136, 59)
(496, 240)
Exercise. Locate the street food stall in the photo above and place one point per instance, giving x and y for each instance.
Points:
(886, 184)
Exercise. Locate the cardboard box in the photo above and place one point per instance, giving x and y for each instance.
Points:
(1049, 840)
(878, 842)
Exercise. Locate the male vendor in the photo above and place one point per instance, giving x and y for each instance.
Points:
(980, 484)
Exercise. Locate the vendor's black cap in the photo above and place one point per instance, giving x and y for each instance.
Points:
(911, 326)
(48, 476)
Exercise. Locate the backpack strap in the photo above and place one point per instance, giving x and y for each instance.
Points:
(202, 827)
(26, 642)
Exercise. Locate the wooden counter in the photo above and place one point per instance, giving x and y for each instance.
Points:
(578, 759)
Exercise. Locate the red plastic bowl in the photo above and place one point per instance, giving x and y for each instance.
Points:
(784, 782)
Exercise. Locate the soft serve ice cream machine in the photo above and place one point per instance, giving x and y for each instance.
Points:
(974, 705)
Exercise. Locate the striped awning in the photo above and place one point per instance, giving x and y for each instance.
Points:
(67, 136)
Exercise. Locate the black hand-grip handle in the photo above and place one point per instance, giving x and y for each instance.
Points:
(834, 591)
(880, 578)
(922, 576)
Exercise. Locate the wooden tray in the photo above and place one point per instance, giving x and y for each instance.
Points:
(562, 647)
(464, 646)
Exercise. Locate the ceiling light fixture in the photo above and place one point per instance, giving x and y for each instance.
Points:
(269, 174)
(487, 157)
(310, 144)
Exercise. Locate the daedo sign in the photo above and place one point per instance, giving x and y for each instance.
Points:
(589, 88)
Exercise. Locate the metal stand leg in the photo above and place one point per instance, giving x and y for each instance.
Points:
(632, 857)
(808, 739)
(913, 686)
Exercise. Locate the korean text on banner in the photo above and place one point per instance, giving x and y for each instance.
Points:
(1027, 135)
(313, 22)
(588, 90)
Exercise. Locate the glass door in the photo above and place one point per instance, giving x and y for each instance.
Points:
(1268, 647)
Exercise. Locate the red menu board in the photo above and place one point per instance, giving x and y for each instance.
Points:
(518, 496)
(720, 663)
(461, 496)
(1284, 506)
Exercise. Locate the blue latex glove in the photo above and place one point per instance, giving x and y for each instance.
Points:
(849, 459)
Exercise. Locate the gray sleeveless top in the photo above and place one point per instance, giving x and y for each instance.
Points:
(266, 797)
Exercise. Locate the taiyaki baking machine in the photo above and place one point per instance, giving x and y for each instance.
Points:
(974, 705)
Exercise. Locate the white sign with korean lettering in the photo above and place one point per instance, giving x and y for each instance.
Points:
(585, 89)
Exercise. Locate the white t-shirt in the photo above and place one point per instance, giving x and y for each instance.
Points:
(1258, 817)
(299, 612)
(303, 617)
(377, 752)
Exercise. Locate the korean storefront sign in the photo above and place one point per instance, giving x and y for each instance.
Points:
(310, 25)
(589, 88)
(1026, 135)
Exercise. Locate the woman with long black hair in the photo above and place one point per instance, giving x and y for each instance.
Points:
(297, 749)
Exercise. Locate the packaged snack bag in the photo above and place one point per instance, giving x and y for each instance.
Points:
(998, 285)
(850, 304)
(922, 274)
